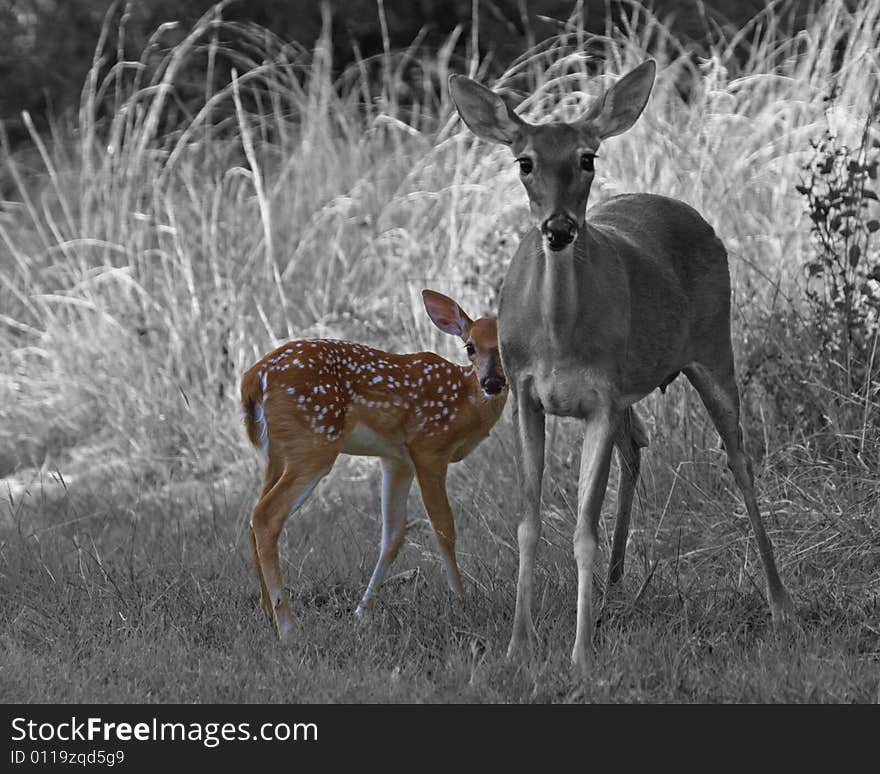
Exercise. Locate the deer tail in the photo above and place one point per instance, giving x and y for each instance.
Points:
(253, 388)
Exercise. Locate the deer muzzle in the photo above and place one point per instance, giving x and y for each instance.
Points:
(492, 384)
(559, 230)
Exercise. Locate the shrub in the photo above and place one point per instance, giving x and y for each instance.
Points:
(843, 271)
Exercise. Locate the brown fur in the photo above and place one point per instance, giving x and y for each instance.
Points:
(418, 412)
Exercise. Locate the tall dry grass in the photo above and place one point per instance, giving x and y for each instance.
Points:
(211, 199)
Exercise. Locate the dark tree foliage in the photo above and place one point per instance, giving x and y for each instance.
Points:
(48, 45)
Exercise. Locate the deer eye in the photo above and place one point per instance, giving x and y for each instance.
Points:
(471, 350)
(587, 162)
(525, 165)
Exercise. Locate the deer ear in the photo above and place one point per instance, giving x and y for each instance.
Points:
(619, 107)
(447, 315)
(486, 114)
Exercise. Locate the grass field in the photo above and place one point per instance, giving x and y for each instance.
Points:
(191, 216)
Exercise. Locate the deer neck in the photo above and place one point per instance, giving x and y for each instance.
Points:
(476, 420)
(561, 276)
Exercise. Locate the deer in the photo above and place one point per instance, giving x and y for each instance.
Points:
(308, 401)
(597, 309)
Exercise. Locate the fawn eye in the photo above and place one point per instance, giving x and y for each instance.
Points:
(587, 162)
(525, 165)
(471, 350)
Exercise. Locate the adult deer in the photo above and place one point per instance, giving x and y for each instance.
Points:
(307, 402)
(595, 313)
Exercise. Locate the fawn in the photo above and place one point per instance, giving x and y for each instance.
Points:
(309, 401)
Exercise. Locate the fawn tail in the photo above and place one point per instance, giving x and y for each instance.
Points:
(253, 387)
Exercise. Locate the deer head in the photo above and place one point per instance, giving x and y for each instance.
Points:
(480, 339)
(556, 159)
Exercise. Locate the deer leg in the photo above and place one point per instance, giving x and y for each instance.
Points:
(397, 478)
(530, 421)
(269, 480)
(267, 520)
(630, 438)
(432, 483)
(595, 464)
(265, 605)
(721, 398)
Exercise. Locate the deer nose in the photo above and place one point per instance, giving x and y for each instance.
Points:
(492, 385)
(560, 230)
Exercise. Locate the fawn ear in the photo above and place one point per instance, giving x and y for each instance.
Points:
(619, 107)
(447, 315)
(486, 113)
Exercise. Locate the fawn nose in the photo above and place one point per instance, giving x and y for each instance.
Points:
(560, 230)
(492, 385)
